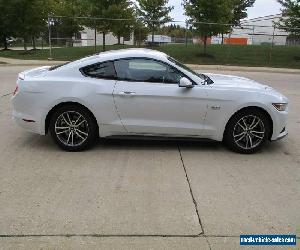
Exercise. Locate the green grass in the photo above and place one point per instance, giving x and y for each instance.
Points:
(281, 56)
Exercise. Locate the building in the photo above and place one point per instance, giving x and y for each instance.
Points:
(256, 31)
(87, 38)
(159, 39)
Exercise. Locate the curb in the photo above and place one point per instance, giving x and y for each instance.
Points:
(29, 64)
(244, 69)
(20, 62)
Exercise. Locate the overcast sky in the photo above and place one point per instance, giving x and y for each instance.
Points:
(260, 8)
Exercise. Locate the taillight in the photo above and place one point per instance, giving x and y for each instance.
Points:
(16, 90)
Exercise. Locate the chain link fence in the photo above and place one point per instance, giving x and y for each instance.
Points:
(256, 42)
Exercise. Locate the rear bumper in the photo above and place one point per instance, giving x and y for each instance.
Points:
(26, 122)
(27, 112)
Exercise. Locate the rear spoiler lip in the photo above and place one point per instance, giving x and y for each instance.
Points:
(22, 75)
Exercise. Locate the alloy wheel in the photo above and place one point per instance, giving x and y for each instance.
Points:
(71, 128)
(249, 132)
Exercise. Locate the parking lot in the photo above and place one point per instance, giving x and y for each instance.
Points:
(146, 194)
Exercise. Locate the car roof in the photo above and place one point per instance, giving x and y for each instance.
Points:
(135, 52)
(117, 54)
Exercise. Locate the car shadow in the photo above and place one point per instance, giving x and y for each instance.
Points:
(45, 143)
(134, 143)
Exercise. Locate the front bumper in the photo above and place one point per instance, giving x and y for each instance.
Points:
(279, 124)
(281, 136)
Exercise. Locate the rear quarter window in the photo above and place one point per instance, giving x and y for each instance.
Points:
(104, 70)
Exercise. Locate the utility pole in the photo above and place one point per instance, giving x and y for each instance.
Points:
(50, 43)
(253, 29)
(95, 38)
(186, 34)
(272, 45)
(140, 36)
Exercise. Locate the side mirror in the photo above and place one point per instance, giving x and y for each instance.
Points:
(185, 83)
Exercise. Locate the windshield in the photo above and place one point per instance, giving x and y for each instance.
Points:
(181, 65)
(201, 76)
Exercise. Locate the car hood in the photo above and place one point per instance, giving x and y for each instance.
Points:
(235, 82)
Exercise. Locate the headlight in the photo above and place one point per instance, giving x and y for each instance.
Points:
(280, 106)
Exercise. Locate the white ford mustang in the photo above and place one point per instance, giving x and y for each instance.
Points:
(139, 92)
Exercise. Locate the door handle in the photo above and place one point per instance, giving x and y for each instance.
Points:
(127, 93)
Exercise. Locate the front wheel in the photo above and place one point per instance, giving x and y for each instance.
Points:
(73, 128)
(247, 131)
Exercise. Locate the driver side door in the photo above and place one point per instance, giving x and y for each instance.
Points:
(150, 102)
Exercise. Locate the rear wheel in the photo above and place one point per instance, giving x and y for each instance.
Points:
(247, 131)
(73, 128)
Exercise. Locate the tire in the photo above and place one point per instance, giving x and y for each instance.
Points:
(73, 128)
(247, 131)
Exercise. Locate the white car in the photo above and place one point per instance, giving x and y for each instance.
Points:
(140, 92)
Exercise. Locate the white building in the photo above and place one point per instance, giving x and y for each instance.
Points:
(87, 38)
(256, 31)
(160, 39)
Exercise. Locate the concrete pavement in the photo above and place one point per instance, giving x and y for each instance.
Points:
(142, 194)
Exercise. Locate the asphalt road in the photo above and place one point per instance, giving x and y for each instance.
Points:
(145, 194)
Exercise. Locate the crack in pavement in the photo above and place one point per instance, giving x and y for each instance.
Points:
(6, 94)
(193, 198)
(191, 191)
(208, 243)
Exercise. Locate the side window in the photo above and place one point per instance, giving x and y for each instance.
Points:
(103, 70)
(173, 76)
(146, 70)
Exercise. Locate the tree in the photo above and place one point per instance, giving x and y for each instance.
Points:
(31, 18)
(154, 13)
(207, 16)
(7, 21)
(240, 10)
(100, 9)
(67, 26)
(140, 32)
(123, 12)
(291, 17)
(176, 32)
